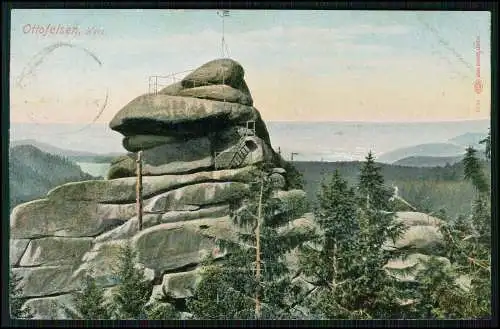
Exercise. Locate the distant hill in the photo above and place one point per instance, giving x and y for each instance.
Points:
(428, 150)
(428, 161)
(32, 173)
(79, 156)
(469, 139)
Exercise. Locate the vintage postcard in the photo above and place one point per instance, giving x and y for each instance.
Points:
(249, 164)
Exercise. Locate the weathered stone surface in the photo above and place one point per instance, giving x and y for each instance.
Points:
(424, 238)
(46, 280)
(181, 285)
(16, 250)
(131, 227)
(123, 189)
(280, 171)
(102, 261)
(411, 218)
(303, 224)
(166, 115)
(55, 251)
(51, 308)
(171, 158)
(197, 194)
(219, 71)
(218, 93)
(464, 281)
(143, 142)
(259, 152)
(414, 260)
(225, 139)
(127, 168)
(156, 294)
(172, 90)
(174, 245)
(278, 181)
(48, 217)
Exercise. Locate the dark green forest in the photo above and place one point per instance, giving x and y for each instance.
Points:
(32, 173)
(429, 189)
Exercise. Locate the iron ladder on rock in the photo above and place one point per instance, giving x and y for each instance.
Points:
(241, 149)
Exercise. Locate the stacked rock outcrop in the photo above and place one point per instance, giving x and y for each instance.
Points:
(201, 139)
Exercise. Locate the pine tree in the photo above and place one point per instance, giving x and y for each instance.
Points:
(234, 290)
(346, 261)
(89, 303)
(133, 291)
(438, 296)
(473, 171)
(160, 309)
(371, 185)
(17, 311)
(468, 243)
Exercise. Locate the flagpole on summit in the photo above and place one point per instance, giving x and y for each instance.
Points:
(223, 13)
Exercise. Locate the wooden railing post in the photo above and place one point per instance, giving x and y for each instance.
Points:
(257, 253)
(139, 189)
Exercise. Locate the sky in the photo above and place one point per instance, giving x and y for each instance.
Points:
(299, 65)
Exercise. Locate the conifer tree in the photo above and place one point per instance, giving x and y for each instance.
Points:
(371, 188)
(17, 311)
(438, 296)
(133, 291)
(89, 303)
(346, 260)
(160, 309)
(468, 244)
(234, 290)
(473, 171)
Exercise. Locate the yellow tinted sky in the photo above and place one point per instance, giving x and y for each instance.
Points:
(300, 66)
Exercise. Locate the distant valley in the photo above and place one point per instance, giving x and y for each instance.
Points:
(32, 173)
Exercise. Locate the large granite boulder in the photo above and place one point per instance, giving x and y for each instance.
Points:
(189, 133)
(219, 71)
(166, 115)
(219, 93)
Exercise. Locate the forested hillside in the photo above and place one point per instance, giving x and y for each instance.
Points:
(428, 189)
(32, 173)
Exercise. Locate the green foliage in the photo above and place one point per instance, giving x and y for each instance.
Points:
(346, 261)
(430, 188)
(371, 185)
(438, 296)
(133, 291)
(294, 178)
(159, 309)
(468, 245)
(473, 171)
(129, 300)
(222, 292)
(17, 311)
(32, 173)
(89, 303)
(229, 290)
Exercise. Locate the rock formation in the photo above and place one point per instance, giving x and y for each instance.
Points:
(201, 140)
